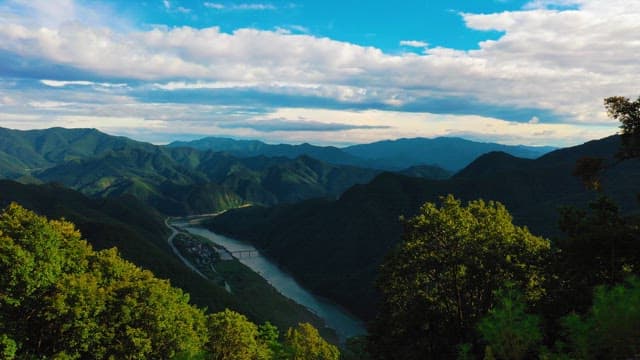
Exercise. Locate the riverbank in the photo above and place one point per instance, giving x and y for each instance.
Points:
(345, 324)
(260, 301)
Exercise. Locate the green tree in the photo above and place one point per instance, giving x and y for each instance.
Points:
(269, 335)
(233, 337)
(611, 328)
(61, 299)
(508, 330)
(438, 283)
(600, 247)
(305, 343)
(8, 347)
(628, 113)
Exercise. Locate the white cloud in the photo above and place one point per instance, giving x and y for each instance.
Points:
(562, 61)
(211, 5)
(414, 43)
(546, 4)
(58, 83)
(242, 6)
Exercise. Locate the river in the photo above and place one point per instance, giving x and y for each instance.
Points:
(335, 317)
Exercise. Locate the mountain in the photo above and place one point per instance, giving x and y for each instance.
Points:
(450, 153)
(433, 172)
(252, 148)
(207, 181)
(175, 180)
(22, 152)
(137, 230)
(140, 234)
(335, 247)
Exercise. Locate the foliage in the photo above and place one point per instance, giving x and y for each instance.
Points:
(355, 348)
(305, 343)
(269, 335)
(8, 347)
(628, 113)
(233, 337)
(439, 282)
(600, 247)
(510, 333)
(589, 170)
(62, 298)
(611, 328)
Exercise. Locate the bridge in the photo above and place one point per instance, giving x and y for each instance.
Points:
(245, 254)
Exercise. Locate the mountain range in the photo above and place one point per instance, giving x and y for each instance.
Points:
(449, 153)
(335, 247)
(327, 221)
(174, 180)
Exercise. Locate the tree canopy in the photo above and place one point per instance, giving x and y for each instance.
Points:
(61, 299)
(439, 282)
(628, 113)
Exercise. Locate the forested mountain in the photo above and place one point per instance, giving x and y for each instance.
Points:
(63, 299)
(140, 235)
(335, 247)
(449, 153)
(173, 180)
(178, 183)
(251, 148)
(23, 152)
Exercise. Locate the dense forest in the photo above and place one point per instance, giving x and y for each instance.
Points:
(61, 299)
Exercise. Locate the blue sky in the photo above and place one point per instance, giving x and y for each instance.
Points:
(326, 72)
(382, 24)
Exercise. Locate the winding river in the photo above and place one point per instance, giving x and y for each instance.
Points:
(335, 317)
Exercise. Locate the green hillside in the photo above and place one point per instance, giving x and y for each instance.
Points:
(140, 235)
(175, 181)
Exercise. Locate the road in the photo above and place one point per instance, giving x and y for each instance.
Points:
(175, 232)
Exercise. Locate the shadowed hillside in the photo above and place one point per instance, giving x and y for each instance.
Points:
(335, 247)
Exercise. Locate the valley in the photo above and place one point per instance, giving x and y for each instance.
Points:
(280, 239)
(319, 180)
(231, 250)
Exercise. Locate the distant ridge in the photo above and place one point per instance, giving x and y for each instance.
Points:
(250, 148)
(449, 153)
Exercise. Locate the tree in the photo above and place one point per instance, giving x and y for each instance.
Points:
(439, 281)
(628, 113)
(611, 328)
(508, 330)
(305, 343)
(61, 299)
(233, 337)
(600, 247)
(269, 335)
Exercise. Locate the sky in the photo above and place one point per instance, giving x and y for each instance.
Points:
(328, 72)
